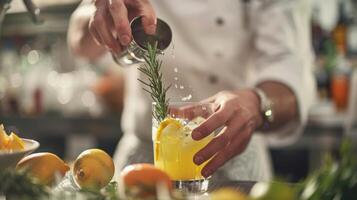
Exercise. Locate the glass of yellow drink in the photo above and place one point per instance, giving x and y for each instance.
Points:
(174, 147)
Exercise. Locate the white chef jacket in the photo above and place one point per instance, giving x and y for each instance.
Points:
(225, 45)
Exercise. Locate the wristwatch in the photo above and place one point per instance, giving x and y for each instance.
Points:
(266, 108)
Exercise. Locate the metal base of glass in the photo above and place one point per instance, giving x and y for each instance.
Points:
(192, 186)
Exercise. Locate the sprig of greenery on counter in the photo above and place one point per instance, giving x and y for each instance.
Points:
(110, 192)
(19, 185)
(335, 180)
(154, 84)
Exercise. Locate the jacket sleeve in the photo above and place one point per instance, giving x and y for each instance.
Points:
(283, 53)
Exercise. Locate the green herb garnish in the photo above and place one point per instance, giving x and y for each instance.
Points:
(19, 185)
(109, 192)
(335, 179)
(154, 85)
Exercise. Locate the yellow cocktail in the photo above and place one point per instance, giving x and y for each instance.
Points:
(174, 147)
(174, 150)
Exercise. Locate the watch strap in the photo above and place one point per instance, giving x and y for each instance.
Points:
(266, 106)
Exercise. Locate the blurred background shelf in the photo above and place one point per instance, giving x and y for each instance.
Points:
(67, 136)
(55, 15)
(103, 127)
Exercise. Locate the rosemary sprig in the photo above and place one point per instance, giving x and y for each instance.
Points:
(109, 192)
(154, 85)
(19, 185)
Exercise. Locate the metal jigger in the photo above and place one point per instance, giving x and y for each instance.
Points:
(136, 50)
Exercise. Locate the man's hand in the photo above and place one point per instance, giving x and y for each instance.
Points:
(238, 114)
(110, 23)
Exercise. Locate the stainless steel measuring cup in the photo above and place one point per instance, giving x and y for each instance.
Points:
(136, 50)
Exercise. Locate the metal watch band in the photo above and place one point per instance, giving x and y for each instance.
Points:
(266, 106)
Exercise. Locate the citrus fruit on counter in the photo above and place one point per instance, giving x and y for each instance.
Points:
(93, 169)
(4, 138)
(43, 166)
(12, 142)
(273, 190)
(141, 180)
(227, 193)
(15, 143)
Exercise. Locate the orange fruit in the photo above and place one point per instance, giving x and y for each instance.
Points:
(15, 143)
(93, 169)
(142, 179)
(12, 142)
(44, 167)
(4, 138)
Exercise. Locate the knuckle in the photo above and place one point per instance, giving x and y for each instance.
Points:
(98, 2)
(114, 6)
(223, 140)
(220, 116)
(245, 118)
(148, 18)
(236, 110)
(251, 123)
(247, 133)
(122, 25)
(229, 152)
(204, 154)
(204, 129)
(221, 159)
(245, 110)
(145, 3)
(240, 107)
(97, 19)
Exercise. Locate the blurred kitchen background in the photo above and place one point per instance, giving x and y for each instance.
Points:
(69, 105)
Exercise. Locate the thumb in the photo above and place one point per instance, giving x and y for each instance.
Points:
(148, 18)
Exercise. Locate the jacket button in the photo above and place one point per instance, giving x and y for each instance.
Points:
(219, 21)
(212, 79)
(218, 54)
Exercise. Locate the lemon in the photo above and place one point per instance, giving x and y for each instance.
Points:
(167, 127)
(15, 143)
(93, 169)
(44, 167)
(227, 193)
